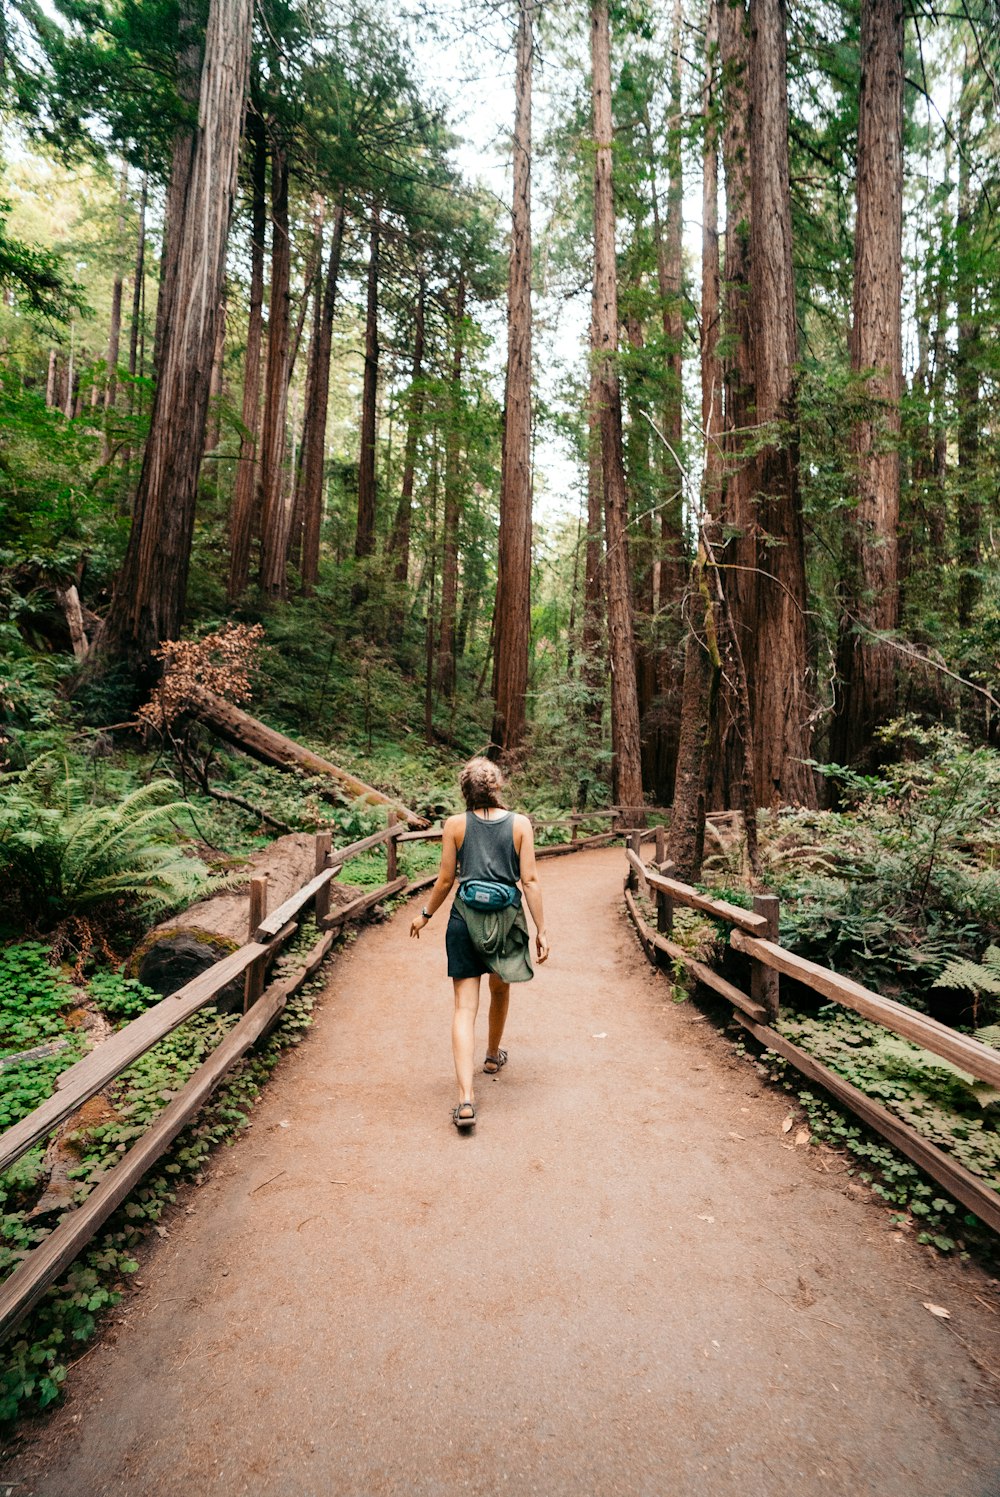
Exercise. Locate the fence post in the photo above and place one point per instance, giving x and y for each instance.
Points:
(764, 980)
(574, 829)
(635, 845)
(324, 844)
(661, 846)
(391, 849)
(253, 982)
(664, 904)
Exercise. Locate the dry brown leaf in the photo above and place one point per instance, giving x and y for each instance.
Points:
(788, 1124)
(802, 1135)
(938, 1310)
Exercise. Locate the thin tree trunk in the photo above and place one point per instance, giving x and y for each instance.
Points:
(970, 505)
(364, 543)
(711, 291)
(137, 285)
(775, 650)
(430, 631)
(213, 426)
(50, 380)
(867, 691)
(702, 667)
(242, 513)
(274, 509)
(315, 284)
(147, 605)
(400, 544)
(452, 507)
(115, 328)
(625, 748)
(512, 614)
(314, 431)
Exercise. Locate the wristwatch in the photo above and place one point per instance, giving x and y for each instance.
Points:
(424, 913)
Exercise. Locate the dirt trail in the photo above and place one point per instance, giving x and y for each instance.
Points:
(624, 1282)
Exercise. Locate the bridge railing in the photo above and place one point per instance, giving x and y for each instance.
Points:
(754, 933)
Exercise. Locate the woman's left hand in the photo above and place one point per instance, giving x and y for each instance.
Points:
(416, 926)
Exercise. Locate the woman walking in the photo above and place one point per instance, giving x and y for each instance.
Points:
(490, 850)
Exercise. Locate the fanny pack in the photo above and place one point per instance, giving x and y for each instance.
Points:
(484, 894)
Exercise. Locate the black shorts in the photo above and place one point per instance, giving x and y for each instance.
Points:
(463, 958)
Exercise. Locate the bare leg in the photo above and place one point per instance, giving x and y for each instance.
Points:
(463, 1033)
(499, 1003)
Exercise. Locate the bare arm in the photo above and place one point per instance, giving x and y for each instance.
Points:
(532, 887)
(446, 874)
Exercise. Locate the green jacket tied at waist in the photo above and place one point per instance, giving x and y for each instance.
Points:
(502, 939)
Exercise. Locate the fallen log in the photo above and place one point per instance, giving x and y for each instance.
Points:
(187, 944)
(271, 747)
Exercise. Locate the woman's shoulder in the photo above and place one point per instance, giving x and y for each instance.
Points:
(455, 824)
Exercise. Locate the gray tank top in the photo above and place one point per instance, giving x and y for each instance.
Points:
(487, 850)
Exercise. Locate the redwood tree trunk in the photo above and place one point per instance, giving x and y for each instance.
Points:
(275, 516)
(400, 543)
(452, 508)
(866, 695)
(241, 515)
(314, 429)
(512, 615)
(711, 292)
(775, 621)
(147, 605)
(970, 506)
(364, 542)
(626, 767)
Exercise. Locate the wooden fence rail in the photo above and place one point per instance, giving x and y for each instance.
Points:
(754, 1010)
(267, 933)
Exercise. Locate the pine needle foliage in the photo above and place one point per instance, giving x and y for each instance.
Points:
(62, 855)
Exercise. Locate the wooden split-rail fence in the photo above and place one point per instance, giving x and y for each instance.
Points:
(754, 933)
(262, 1005)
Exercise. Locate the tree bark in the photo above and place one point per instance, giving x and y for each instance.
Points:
(626, 772)
(313, 288)
(866, 693)
(711, 287)
(275, 516)
(242, 513)
(400, 544)
(364, 542)
(115, 328)
(147, 605)
(702, 666)
(512, 614)
(775, 622)
(137, 285)
(968, 353)
(314, 431)
(452, 507)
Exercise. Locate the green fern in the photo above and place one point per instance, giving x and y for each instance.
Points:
(973, 977)
(62, 855)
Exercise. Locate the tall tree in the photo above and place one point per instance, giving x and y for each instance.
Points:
(775, 620)
(400, 544)
(364, 541)
(626, 764)
(452, 502)
(241, 513)
(512, 612)
(967, 353)
(147, 605)
(274, 509)
(866, 694)
(314, 428)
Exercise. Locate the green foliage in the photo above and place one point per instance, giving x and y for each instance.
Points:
(120, 998)
(34, 1365)
(924, 1092)
(60, 854)
(35, 998)
(909, 877)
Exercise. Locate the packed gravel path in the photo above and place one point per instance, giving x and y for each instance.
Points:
(628, 1280)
